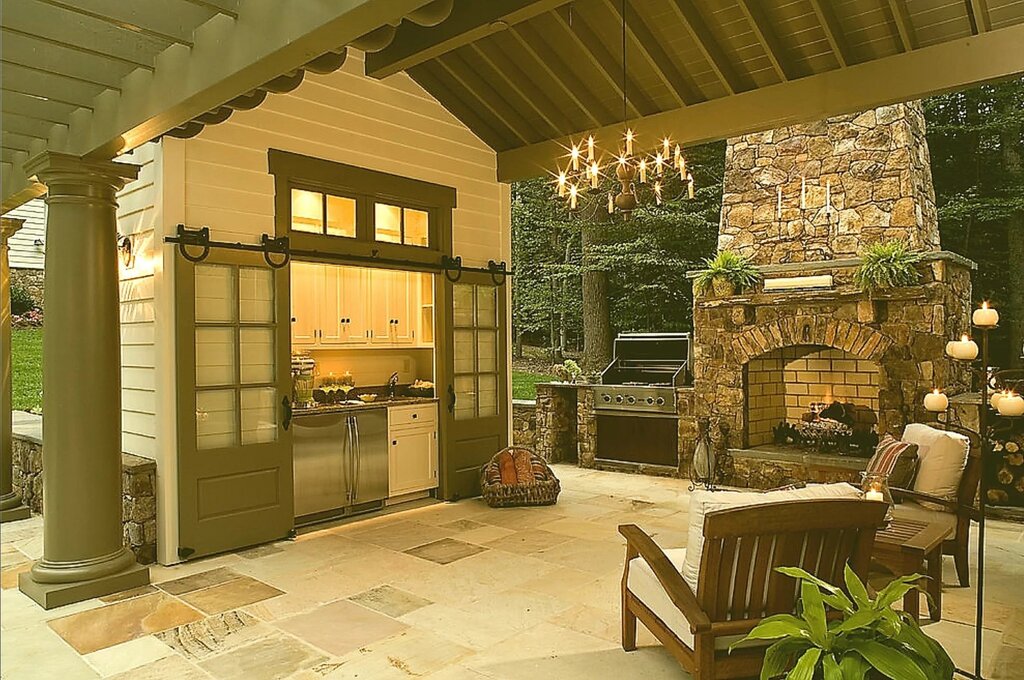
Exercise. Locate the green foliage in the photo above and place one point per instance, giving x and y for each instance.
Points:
(27, 368)
(887, 264)
(729, 266)
(867, 635)
(21, 300)
(524, 383)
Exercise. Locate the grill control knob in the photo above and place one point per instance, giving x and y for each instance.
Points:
(650, 400)
(660, 401)
(631, 399)
(618, 398)
(606, 397)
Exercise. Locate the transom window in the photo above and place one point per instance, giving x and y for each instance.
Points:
(319, 213)
(395, 224)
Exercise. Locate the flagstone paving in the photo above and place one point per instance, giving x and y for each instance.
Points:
(447, 591)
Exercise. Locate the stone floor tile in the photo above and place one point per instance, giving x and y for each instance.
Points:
(11, 556)
(517, 608)
(9, 575)
(35, 651)
(172, 666)
(127, 655)
(270, 658)
(476, 629)
(203, 579)
(529, 541)
(116, 623)
(410, 653)
(340, 627)
(230, 595)
(390, 601)
(128, 594)
(214, 635)
(445, 551)
(484, 534)
(401, 535)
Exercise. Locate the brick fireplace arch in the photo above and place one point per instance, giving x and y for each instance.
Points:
(856, 338)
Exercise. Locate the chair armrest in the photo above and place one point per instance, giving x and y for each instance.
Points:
(927, 498)
(668, 576)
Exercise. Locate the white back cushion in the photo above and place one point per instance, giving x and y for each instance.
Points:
(941, 458)
(703, 502)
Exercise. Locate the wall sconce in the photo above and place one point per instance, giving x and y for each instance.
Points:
(124, 248)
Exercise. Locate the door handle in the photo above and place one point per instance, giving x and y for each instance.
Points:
(286, 405)
(357, 463)
(451, 399)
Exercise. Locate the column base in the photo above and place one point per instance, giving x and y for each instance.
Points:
(12, 509)
(50, 595)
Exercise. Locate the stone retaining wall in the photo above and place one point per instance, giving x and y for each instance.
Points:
(524, 423)
(139, 493)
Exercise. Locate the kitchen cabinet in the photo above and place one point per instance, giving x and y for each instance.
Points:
(305, 305)
(412, 454)
(391, 295)
(342, 306)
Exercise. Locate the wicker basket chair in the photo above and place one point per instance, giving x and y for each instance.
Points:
(516, 477)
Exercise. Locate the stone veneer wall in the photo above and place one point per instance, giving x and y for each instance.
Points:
(32, 281)
(881, 187)
(524, 423)
(138, 493)
(556, 422)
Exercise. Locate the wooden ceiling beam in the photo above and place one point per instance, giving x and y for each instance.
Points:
(166, 21)
(33, 107)
(50, 86)
(468, 22)
(468, 115)
(525, 89)
(713, 53)
(924, 72)
(682, 87)
(904, 26)
(773, 48)
(981, 20)
(826, 15)
(603, 62)
(13, 140)
(486, 95)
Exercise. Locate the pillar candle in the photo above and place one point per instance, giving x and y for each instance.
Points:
(996, 398)
(874, 495)
(986, 317)
(936, 402)
(1011, 405)
(965, 349)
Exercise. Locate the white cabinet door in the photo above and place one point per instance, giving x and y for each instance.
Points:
(305, 315)
(380, 283)
(329, 295)
(401, 305)
(353, 309)
(412, 460)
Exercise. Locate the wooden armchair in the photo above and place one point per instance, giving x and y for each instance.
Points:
(958, 512)
(738, 585)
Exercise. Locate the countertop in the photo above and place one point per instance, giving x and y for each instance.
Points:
(349, 406)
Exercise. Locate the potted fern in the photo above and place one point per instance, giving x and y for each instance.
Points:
(726, 274)
(866, 640)
(887, 264)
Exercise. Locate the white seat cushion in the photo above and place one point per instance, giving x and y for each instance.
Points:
(703, 502)
(645, 587)
(941, 458)
(912, 510)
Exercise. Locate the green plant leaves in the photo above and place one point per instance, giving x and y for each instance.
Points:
(857, 590)
(814, 613)
(780, 625)
(888, 264)
(730, 266)
(805, 665)
(888, 661)
(778, 656)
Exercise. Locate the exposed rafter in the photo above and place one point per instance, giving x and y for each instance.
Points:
(488, 97)
(454, 102)
(924, 72)
(981, 21)
(468, 22)
(904, 26)
(713, 53)
(825, 12)
(679, 83)
(773, 48)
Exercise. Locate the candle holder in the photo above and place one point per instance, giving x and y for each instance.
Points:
(875, 487)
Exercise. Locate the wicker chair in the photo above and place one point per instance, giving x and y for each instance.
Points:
(528, 479)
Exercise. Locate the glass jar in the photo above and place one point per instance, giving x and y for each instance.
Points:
(875, 487)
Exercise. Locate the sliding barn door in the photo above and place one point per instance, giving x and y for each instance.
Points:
(234, 390)
(474, 385)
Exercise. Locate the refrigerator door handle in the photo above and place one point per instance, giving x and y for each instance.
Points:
(349, 452)
(357, 463)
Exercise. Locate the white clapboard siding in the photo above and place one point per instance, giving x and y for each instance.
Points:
(137, 210)
(391, 125)
(28, 244)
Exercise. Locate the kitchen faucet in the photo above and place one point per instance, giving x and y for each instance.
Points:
(393, 385)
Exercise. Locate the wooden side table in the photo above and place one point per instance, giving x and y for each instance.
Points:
(904, 547)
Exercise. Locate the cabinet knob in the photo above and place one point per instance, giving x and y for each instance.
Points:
(394, 442)
(415, 416)
(294, 319)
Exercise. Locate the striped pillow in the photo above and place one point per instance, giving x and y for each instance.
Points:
(896, 459)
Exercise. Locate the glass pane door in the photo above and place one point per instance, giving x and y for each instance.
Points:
(476, 361)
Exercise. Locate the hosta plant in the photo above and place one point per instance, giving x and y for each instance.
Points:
(887, 264)
(866, 639)
(727, 272)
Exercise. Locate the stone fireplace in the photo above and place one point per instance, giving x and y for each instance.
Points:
(807, 336)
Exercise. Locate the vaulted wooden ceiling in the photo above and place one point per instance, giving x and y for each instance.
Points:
(547, 69)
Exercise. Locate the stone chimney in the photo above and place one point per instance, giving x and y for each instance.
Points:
(877, 166)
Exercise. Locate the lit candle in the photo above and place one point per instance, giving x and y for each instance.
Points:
(561, 184)
(874, 495)
(679, 155)
(643, 171)
(986, 317)
(965, 349)
(657, 192)
(665, 142)
(629, 141)
(936, 402)
(682, 171)
(659, 160)
(590, 148)
(573, 192)
(574, 153)
(611, 203)
(1011, 405)
(803, 193)
(595, 175)
(996, 398)
(689, 185)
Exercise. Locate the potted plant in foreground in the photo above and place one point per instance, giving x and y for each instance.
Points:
(866, 640)
(887, 264)
(726, 274)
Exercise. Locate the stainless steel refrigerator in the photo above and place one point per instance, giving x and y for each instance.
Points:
(341, 463)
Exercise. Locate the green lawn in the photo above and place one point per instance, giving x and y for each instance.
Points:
(27, 368)
(523, 383)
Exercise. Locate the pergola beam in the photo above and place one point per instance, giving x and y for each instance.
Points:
(770, 43)
(709, 46)
(904, 26)
(833, 31)
(484, 93)
(911, 75)
(468, 22)
(679, 83)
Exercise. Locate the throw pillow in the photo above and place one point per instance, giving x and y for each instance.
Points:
(896, 459)
(941, 459)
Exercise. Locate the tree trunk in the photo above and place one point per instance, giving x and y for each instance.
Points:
(517, 350)
(563, 321)
(1009, 138)
(597, 326)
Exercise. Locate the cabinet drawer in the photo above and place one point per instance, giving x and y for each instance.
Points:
(412, 415)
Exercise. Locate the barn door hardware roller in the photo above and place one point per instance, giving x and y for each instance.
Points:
(452, 267)
(499, 272)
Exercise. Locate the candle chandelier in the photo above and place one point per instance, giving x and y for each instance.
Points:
(658, 176)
